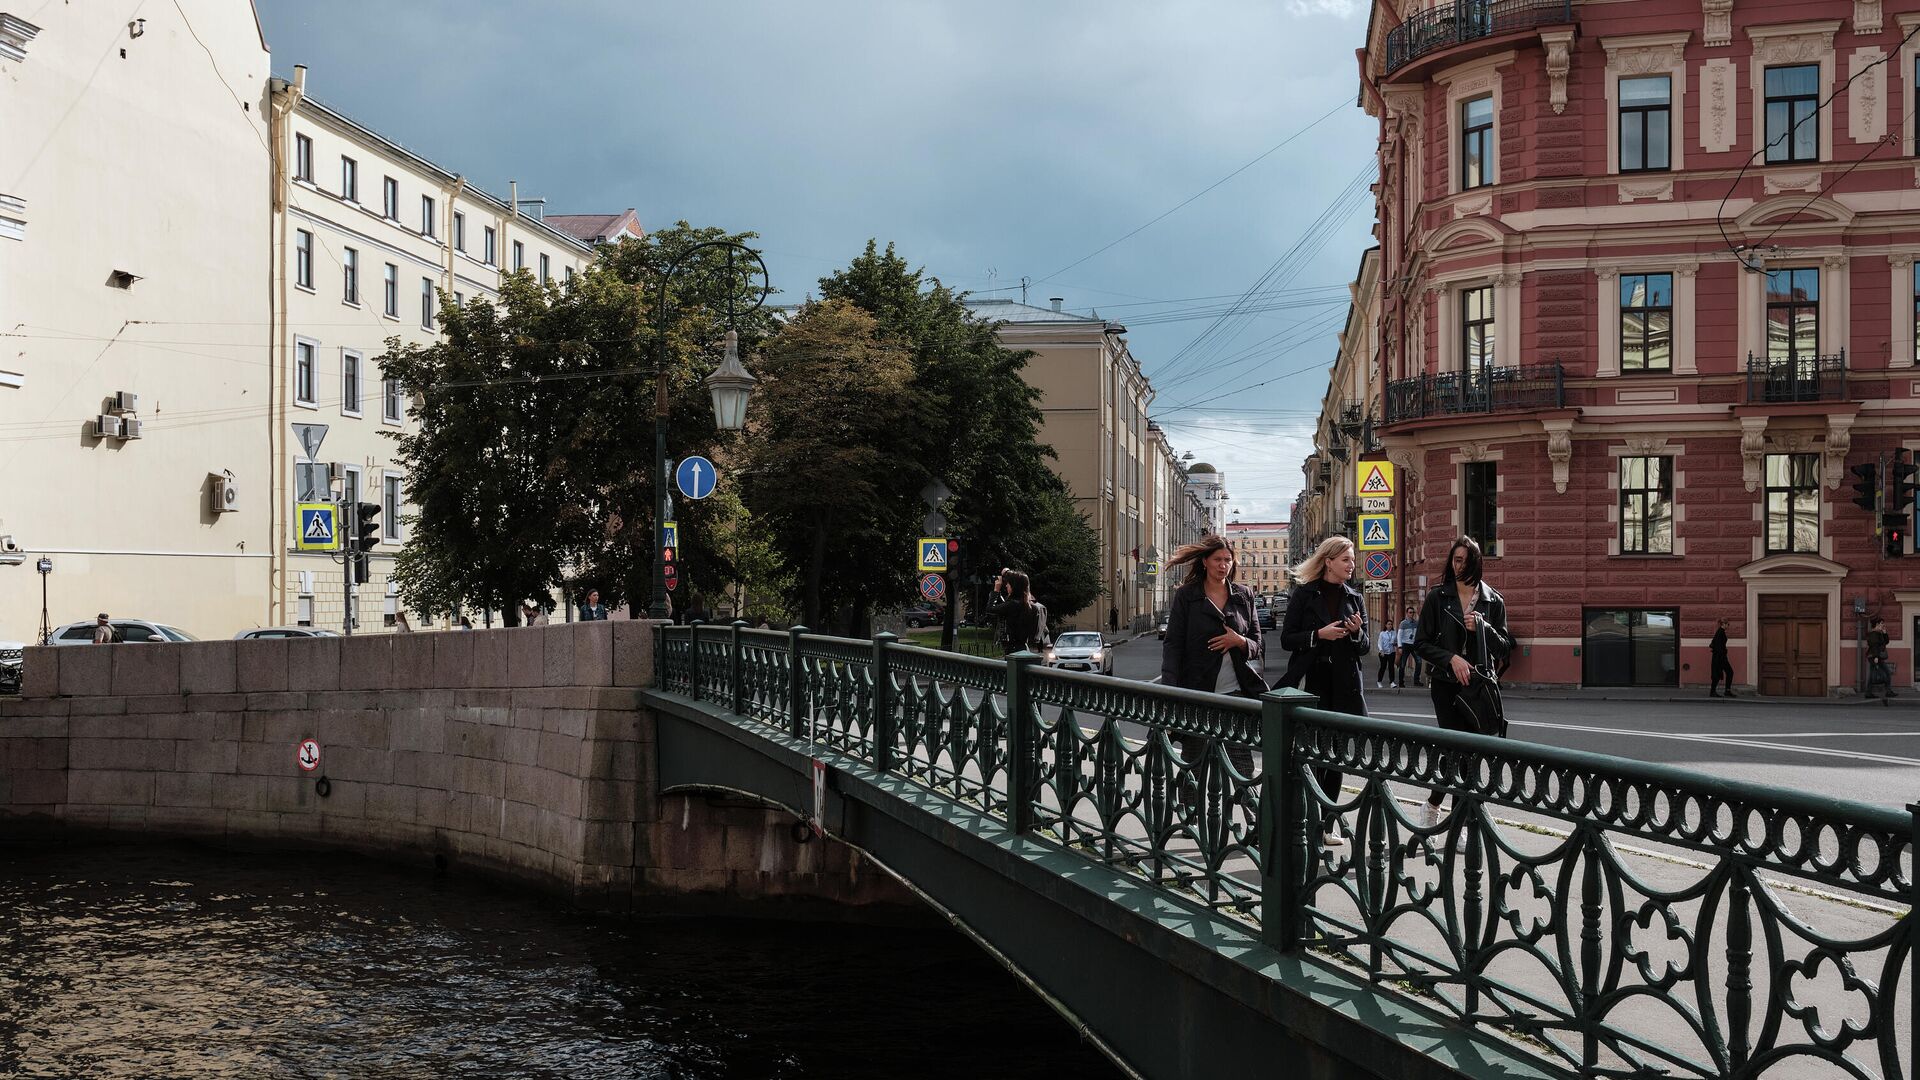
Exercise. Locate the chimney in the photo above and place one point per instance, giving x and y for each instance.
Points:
(1056, 301)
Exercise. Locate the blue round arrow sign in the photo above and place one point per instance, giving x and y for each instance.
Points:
(695, 477)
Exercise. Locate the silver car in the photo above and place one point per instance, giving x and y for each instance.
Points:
(284, 632)
(124, 630)
(1080, 650)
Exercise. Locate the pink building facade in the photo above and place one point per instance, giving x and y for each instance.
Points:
(1647, 296)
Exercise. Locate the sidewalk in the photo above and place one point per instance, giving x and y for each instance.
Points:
(1520, 692)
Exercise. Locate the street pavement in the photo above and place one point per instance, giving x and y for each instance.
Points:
(1853, 751)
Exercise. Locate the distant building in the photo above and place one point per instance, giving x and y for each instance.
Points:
(1210, 487)
(1261, 548)
(597, 229)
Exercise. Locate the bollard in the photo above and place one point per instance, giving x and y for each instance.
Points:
(735, 674)
(883, 725)
(796, 683)
(1283, 819)
(693, 659)
(1021, 763)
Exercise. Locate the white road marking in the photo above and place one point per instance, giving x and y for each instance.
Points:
(1755, 741)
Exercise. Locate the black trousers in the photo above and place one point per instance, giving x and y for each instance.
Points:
(1387, 665)
(1721, 669)
(1443, 690)
(1408, 659)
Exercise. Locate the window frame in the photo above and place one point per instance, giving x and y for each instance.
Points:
(459, 232)
(303, 158)
(1767, 101)
(546, 267)
(1790, 307)
(1644, 113)
(349, 179)
(392, 498)
(390, 198)
(429, 305)
(1645, 312)
(1795, 463)
(1651, 489)
(519, 256)
(489, 239)
(350, 276)
(427, 223)
(390, 291)
(303, 259)
(352, 382)
(393, 404)
(1486, 326)
(306, 372)
(1476, 144)
(1480, 505)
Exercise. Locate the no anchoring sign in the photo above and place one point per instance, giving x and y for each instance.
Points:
(308, 755)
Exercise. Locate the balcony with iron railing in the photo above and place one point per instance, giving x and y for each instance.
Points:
(1533, 387)
(1786, 380)
(1445, 26)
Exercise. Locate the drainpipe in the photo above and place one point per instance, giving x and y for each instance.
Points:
(286, 100)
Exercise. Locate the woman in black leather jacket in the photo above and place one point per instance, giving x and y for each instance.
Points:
(1213, 637)
(1325, 635)
(1459, 613)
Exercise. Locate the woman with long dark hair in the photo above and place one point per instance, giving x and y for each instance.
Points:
(1213, 637)
(1463, 626)
(1325, 635)
(1023, 620)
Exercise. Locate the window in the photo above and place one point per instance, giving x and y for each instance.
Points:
(1646, 322)
(1793, 110)
(350, 276)
(1630, 647)
(349, 179)
(459, 231)
(1476, 142)
(349, 384)
(392, 410)
(486, 245)
(303, 258)
(390, 198)
(1793, 315)
(393, 292)
(1479, 503)
(569, 275)
(1476, 332)
(351, 489)
(303, 158)
(544, 266)
(1793, 503)
(1646, 123)
(426, 215)
(389, 507)
(426, 303)
(1646, 506)
(303, 365)
(519, 255)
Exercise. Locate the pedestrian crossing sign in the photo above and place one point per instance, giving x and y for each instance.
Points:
(317, 531)
(1376, 532)
(1374, 479)
(933, 555)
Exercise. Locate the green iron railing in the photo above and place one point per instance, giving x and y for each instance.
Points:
(1624, 919)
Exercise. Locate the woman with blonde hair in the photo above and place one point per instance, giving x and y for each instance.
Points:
(1213, 637)
(1325, 635)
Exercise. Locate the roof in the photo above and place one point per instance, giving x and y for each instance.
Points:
(1201, 466)
(599, 228)
(1013, 311)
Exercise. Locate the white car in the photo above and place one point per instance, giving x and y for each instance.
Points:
(124, 630)
(1080, 650)
(284, 632)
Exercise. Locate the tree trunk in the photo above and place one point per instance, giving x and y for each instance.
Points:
(816, 571)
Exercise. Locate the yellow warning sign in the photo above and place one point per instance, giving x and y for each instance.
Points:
(1375, 479)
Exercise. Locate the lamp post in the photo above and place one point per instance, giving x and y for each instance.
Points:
(729, 384)
(45, 566)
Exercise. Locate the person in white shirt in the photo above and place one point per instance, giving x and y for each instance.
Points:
(1387, 645)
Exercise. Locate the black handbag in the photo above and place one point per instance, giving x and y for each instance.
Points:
(1477, 706)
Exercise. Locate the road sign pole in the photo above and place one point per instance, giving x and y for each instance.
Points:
(953, 589)
(346, 569)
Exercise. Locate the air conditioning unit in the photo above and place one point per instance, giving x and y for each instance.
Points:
(107, 426)
(130, 428)
(126, 401)
(224, 495)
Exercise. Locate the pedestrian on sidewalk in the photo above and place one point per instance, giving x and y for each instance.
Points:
(1388, 646)
(1023, 620)
(1409, 630)
(1461, 613)
(102, 633)
(1879, 669)
(1325, 636)
(592, 610)
(1213, 642)
(1722, 668)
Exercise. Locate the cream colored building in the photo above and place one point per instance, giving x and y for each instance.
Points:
(1174, 511)
(368, 239)
(134, 259)
(1261, 548)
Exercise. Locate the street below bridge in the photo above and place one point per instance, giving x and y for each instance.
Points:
(1851, 750)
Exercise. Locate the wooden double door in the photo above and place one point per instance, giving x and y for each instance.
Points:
(1793, 645)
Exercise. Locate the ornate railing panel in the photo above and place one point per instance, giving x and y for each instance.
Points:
(1446, 25)
(1621, 919)
(1487, 390)
(1805, 378)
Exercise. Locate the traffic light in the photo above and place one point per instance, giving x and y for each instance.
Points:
(1893, 532)
(366, 536)
(1900, 476)
(1866, 490)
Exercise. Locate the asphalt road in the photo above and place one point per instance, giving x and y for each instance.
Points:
(1851, 751)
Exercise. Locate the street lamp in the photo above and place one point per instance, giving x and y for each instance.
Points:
(730, 384)
(45, 566)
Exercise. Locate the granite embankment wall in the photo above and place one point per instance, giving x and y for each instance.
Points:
(524, 753)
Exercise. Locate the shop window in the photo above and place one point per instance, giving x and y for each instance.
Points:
(1630, 647)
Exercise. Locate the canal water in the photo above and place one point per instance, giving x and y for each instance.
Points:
(184, 962)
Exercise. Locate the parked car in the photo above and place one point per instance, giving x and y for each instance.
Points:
(1264, 612)
(124, 630)
(284, 632)
(1080, 650)
(923, 615)
(1163, 630)
(12, 656)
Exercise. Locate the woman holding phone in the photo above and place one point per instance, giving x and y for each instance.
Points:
(1325, 636)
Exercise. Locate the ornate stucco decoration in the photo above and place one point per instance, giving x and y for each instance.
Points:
(1660, 190)
(1559, 44)
(1866, 16)
(1717, 104)
(1718, 31)
(1472, 206)
(1839, 441)
(1867, 89)
(1476, 451)
(1805, 43)
(1559, 451)
(1777, 182)
(1753, 450)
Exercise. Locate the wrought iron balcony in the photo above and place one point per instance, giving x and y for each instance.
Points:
(1488, 390)
(1352, 416)
(1803, 378)
(1447, 25)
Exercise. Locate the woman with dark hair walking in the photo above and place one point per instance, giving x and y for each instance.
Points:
(1023, 620)
(1213, 638)
(1325, 636)
(1463, 626)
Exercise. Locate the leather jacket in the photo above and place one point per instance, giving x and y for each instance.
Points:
(1443, 629)
(1307, 612)
(1192, 621)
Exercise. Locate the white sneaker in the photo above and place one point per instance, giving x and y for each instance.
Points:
(1426, 815)
(1376, 684)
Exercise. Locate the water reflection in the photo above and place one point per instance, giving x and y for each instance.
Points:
(181, 962)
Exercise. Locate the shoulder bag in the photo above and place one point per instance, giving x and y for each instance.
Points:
(1478, 707)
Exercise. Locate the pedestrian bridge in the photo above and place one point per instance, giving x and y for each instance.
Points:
(1571, 915)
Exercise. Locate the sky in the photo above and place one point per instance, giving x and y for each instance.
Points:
(989, 141)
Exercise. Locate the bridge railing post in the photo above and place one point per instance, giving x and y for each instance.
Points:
(1283, 819)
(1913, 942)
(1021, 740)
(693, 659)
(737, 671)
(883, 726)
(796, 683)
